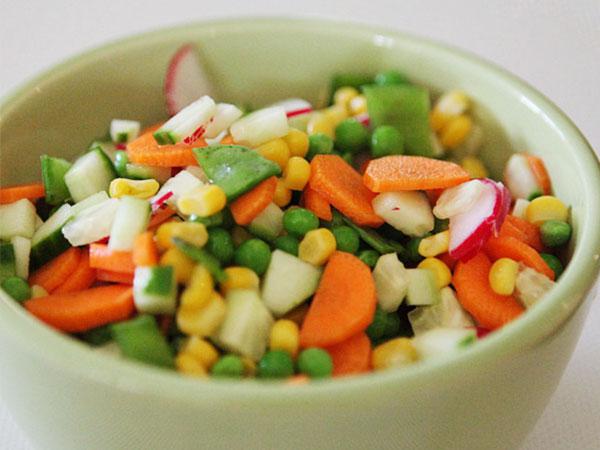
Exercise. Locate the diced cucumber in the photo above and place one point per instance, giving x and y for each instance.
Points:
(17, 288)
(91, 224)
(155, 290)
(391, 282)
(406, 211)
(92, 200)
(107, 147)
(443, 342)
(202, 257)
(188, 124)
(260, 126)
(288, 282)
(7, 261)
(17, 219)
(422, 288)
(181, 184)
(448, 313)
(22, 249)
(531, 285)
(141, 172)
(53, 176)
(247, 324)
(122, 131)
(48, 241)
(91, 173)
(131, 219)
(268, 224)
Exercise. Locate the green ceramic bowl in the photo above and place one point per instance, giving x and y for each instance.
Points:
(65, 396)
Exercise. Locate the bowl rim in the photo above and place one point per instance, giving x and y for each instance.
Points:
(69, 355)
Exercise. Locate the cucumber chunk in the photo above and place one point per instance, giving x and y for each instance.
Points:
(53, 176)
(91, 224)
(22, 250)
(48, 241)
(391, 282)
(91, 173)
(268, 224)
(448, 313)
(422, 289)
(17, 288)
(7, 261)
(155, 290)
(122, 131)
(443, 342)
(17, 219)
(131, 218)
(92, 200)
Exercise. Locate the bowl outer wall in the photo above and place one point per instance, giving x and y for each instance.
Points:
(236, 52)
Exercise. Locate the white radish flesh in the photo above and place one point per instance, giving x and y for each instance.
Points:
(260, 126)
(519, 177)
(224, 116)
(391, 282)
(406, 211)
(458, 199)
(188, 124)
(294, 107)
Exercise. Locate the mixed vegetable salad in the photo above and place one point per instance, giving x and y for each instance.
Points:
(288, 242)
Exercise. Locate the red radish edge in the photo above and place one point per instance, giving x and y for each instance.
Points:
(298, 112)
(159, 202)
(195, 135)
(364, 119)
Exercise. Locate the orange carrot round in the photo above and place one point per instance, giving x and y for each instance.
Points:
(245, 208)
(114, 277)
(145, 150)
(344, 304)
(56, 272)
(313, 201)
(474, 293)
(14, 193)
(522, 230)
(81, 278)
(351, 356)
(102, 257)
(144, 250)
(541, 174)
(410, 173)
(510, 247)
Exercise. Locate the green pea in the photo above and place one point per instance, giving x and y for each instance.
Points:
(275, 364)
(369, 257)
(220, 244)
(392, 325)
(319, 144)
(554, 263)
(254, 254)
(347, 240)
(390, 77)
(376, 330)
(412, 250)
(386, 140)
(351, 136)
(228, 366)
(315, 362)
(17, 288)
(288, 244)
(299, 221)
(555, 233)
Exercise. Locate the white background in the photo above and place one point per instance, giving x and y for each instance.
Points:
(553, 44)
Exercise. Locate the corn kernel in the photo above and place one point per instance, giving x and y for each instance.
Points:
(203, 201)
(317, 246)
(503, 276)
(358, 105)
(344, 95)
(188, 365)
(202, 350)
(335, 113)
(283, 195)
(320, 123)
(435, 245)
(38, 291)
(182, 265)
(239, 278)
(285, 335)
(296, 173)
(275, 150)
(120, 187)
(456, 131)
(449, 106)
(202, 321)
(192, 232)
(297, 142)
(249, 366)
(546, 207)
(199, 289)
(474, 167)
(398, 352)
(443, 275)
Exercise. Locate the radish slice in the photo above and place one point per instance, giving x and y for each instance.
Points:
(188, 124)
(406, 211)
(224, 116)
(186, 79)
(519, 177)
(157, 203)
(295, 107)
(364, 119)
(458, 199)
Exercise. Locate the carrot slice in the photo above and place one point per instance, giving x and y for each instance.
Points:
(83, 310)
(144, 250)
(510, 247)
(340, 185)
(102, 257)
(351, 356)
(245, 208)
(314, 202)
(160, 216)
(410, 173)
(474, 293)
(28, 191)
(522, 230)
(344, 304)
(145, 150)
(56, 272)
(114, 277)
(541, 174)
(81, 278)
(227, 140)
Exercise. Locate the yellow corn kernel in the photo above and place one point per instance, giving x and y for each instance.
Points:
(182, 265)
(296, 173)
(358, 105)
(503, 276)
(275, 150)
(297, 142)
(239, 235)
(249, 366)
(38, 291)
(434, 245)
(192, 232)
(188, 365)
(199, 289)
(474, 167)
(239, 278)
(285, 335)
(203, 201)
(202, 321)
(443, 275)
(120, 187)
(449, 106)
(398, 352)
(283, 195)
(320, 123)
(317, 246)
(202, 350)
(335, 113)
(344, 95)
(546, 207)
(456, 131)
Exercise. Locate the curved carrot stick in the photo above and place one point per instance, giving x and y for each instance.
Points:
(54, 273)
(313, 201)
(522, 230)
(245, 208)
(81, 278)
(510, 247)
(101, 257)
(29, 191)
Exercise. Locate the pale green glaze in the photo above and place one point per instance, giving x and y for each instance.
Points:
(65, 396)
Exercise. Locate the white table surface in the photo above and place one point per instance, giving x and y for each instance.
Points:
(553, 44)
